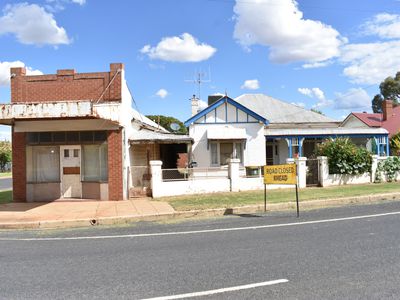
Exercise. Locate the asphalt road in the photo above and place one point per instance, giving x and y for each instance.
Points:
(341, 253)
(5, 184)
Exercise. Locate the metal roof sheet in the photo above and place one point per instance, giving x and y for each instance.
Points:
(278, 111)
(145, 135)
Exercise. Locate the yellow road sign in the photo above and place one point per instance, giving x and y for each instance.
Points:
(280, 174)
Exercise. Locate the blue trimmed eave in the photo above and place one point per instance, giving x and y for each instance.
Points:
(382, 148)
(306, 136)
(220, 102)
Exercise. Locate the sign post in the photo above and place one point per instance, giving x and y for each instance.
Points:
(281, 174)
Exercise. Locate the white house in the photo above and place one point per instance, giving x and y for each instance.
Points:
(259, 130)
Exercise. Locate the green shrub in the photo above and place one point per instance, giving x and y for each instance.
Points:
(344, 157)
(389, 167)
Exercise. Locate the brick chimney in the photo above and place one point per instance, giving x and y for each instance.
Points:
(387, 109)
(17, 76)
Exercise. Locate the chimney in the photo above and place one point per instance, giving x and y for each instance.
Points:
(387, 109)
(17, 76)
(195, 105)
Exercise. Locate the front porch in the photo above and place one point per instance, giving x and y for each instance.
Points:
(148, 145)
(282, 143)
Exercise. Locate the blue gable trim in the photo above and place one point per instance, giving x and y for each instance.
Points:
(222, 101)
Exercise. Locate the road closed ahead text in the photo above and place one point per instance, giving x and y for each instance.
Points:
(280, 174)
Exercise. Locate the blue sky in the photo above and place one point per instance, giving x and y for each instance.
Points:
(328, 55)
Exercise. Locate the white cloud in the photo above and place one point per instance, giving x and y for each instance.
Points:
(383, 25)
(202, 104)
(59, 5)
(370, 63)
(80, 2)
(32, 24)
(184, 48)
(5, 71)
(317, 64)
(313, 92)
(305, 91)
(162, 93)
(354, 98)
(5, 133)
(282, 28)
(318, 94)
(299, 104)
(251, 84)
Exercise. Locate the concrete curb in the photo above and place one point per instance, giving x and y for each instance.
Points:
(119, 220)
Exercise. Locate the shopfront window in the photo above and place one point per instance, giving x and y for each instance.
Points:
(43, 164)
(95, 162)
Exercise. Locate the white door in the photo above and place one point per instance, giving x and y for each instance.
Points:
(70, 161)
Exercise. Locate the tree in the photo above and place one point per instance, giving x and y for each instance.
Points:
(317, 111)
(395, 144)
(166, 121)
(390, 90)
(377, 104)
(5, 154)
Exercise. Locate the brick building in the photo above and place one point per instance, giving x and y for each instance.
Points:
(71, 135)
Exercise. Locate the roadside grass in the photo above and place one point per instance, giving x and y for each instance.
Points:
(227, 200)
(5, 197)
(5, 174)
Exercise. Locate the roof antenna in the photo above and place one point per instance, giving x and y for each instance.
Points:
(198, 79)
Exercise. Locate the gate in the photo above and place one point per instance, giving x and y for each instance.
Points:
(312, 175)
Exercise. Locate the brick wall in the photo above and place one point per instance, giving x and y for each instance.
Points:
(19, 166)
(65, 85)
(115, 164)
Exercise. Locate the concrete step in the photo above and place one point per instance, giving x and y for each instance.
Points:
(139, 192)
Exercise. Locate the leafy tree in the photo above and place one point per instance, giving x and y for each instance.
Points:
(166, 121)
(390, 90)
(395, 144)
(377, 103)
(344, 157)
(317, 111)
(5, 154)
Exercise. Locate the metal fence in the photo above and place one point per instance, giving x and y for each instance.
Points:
(140, 176)
(182, 174)
(251, 172)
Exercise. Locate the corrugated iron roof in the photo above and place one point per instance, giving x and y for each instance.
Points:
(278, 111)
(145, 135)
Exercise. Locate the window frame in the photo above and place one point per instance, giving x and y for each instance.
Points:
(218, 154)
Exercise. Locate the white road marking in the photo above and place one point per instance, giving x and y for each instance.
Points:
(140, 235)
(219, 291)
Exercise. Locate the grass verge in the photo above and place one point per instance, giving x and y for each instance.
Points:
(5, 197)
(226, 200)
(5, 174)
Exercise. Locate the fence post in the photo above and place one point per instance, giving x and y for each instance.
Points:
(234, 173)
(374, 166)
(323, 169)
(301, 171)
(156, 178)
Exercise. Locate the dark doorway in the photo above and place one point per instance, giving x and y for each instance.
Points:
(312, 175)
(169, 154)
(269, 153)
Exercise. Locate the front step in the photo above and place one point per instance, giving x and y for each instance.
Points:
(139, 192)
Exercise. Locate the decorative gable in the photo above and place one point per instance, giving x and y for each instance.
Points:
(226, 111)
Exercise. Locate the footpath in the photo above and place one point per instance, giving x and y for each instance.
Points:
(67, 214)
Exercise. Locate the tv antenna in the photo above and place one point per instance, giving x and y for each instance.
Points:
(198, 79)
